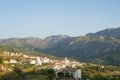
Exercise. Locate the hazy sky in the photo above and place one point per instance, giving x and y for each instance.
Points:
(42, 18)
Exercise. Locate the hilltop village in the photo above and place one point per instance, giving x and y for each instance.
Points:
(38, 62)
(20, 66)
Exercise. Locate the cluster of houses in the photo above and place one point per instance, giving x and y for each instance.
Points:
(64, 65)
(32, 59)
(40, 60)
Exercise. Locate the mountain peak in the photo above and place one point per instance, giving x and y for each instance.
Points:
(114, 32)
(56, 39)
(103, 46)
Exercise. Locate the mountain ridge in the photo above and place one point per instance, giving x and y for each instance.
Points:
(101, 47)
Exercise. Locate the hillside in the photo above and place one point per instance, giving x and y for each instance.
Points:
(29, 43)
(109, 32)
(12, 49)
(55, 40)
(102, 47)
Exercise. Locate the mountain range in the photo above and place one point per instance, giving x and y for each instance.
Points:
(102, 47)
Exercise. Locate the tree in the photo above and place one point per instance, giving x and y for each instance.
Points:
(51, 74)
(1, 61)
(20, 74)
(67, 74)
(51, 71)
(43, 71)
(60, 74)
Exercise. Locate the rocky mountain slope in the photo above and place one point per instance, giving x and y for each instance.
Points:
(30, 42)
(102, 47)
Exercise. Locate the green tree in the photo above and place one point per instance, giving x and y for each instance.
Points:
(60, 75)
(67, 74)
(43, 71)
(51, 74)
(1, 61)
(20, 74)
(51, 71)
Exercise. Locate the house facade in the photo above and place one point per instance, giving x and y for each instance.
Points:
(75, 73)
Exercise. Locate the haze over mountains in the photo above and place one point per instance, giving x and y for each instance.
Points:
(102, 47)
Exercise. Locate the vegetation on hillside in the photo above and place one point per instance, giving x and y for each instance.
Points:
(88, 72)
(102, 47)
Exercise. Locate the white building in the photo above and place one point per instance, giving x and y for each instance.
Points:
(25, 56)
(12, 54)
(38, 61)
(12, 61)
(46, 60)
(67, 62)
(7, 53)
(33, 62)
(77, 74)
(56, 67)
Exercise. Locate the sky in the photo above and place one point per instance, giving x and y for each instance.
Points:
(42, 18)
